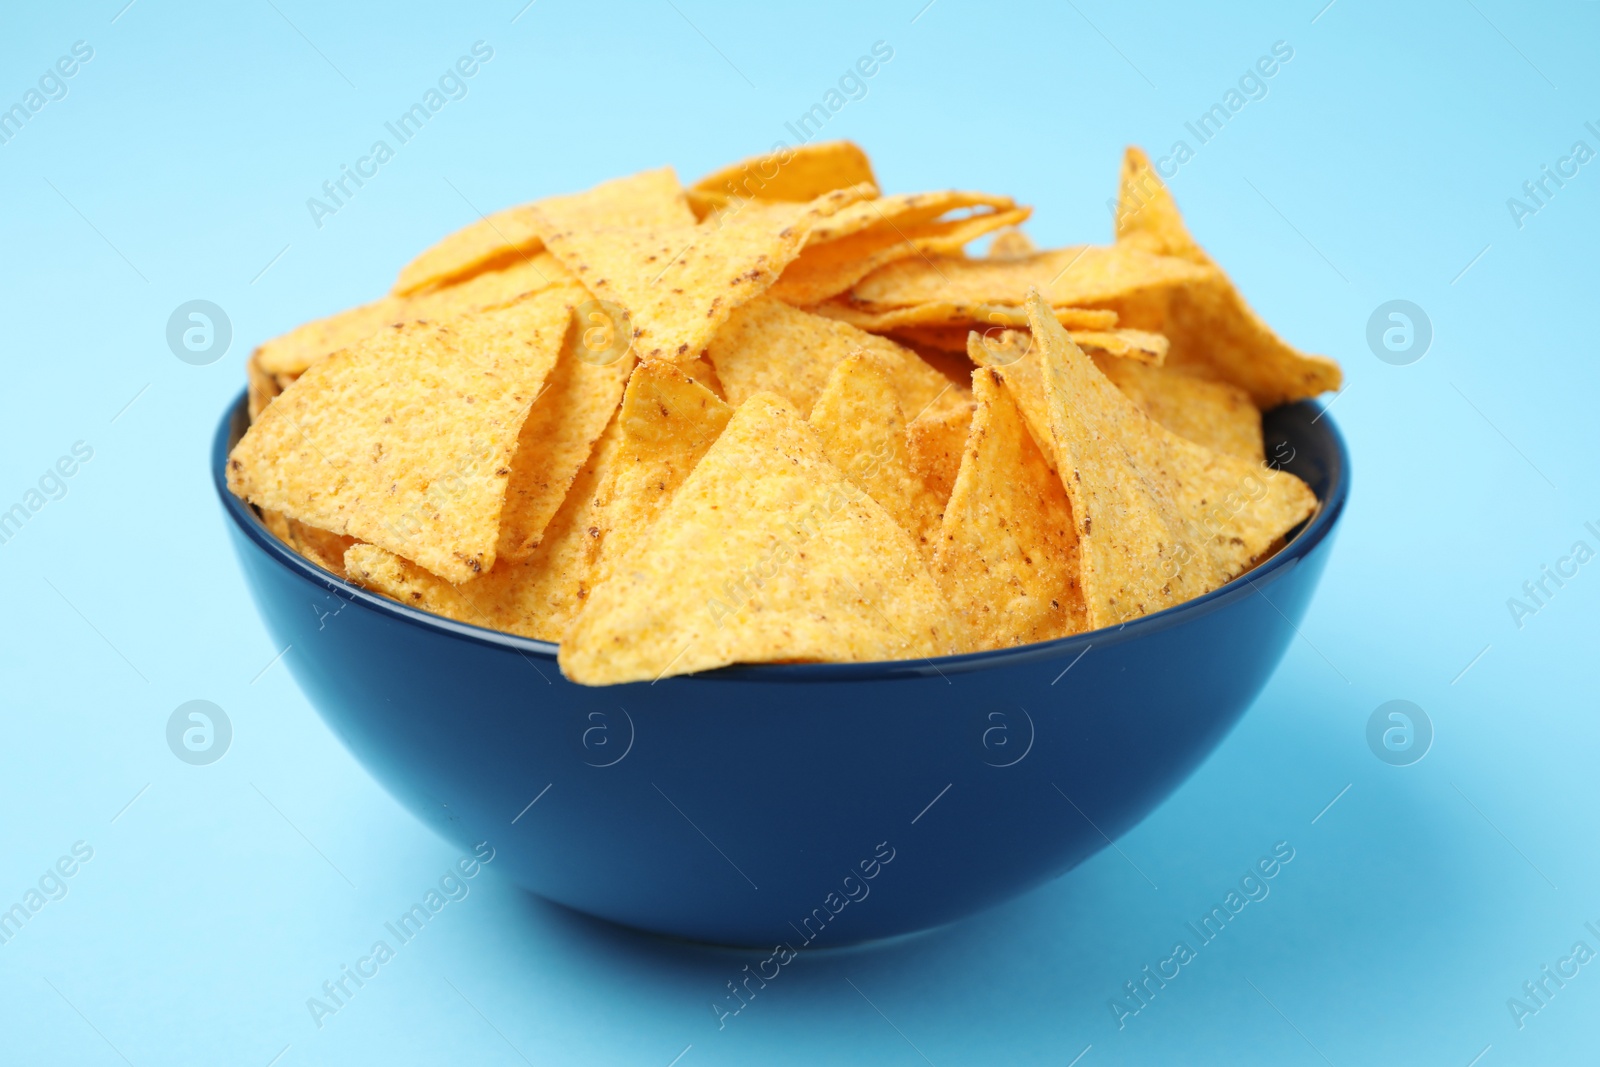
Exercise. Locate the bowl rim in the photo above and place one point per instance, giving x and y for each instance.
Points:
(1310, 536)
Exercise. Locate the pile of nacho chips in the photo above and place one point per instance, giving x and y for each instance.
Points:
(778, 416)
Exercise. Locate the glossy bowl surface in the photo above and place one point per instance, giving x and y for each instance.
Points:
(814, 804)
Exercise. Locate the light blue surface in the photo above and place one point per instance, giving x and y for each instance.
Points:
(219, 898)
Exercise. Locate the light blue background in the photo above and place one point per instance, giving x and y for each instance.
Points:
(1378, 167)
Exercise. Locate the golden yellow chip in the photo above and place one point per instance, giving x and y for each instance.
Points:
(1211, 327)
(768, 346)
(1010, 244)
(494, 240)
(964, 316)
(1215, 414)
(535, 597)
(405, 440)
(1139, 345)
(1008, 552)
(1160, 519)
(700, 370)
(863, 432)
(296, 350)
(261, 388)
(668, 421)
(766, 552)
(802, 173)
(678, 284)
(1083, 277)
(573, 408)
(828, 269)
(324, 549)
(936, 440)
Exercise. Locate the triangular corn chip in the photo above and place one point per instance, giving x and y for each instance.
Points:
(535, 597)
(262, 387)
(966, 316)
(494, 240)
(828, 269)
(296, 350)
(1211, 327)
(936, 440)
(1008, 553)
(572, 410)
(678, 284)
(863, 432)
(668, 421)
(1086, 276)
(405, 440)
(768, 346)
(1160, 519)
(1215, 414)
(1141, 346)
(1009, 244)
(766, 552)
(802, 173)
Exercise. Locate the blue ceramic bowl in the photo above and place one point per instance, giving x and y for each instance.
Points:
(813, 804)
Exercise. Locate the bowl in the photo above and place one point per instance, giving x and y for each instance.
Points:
(806, 804)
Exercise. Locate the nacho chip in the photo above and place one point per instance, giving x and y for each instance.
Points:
(405, 440)
(700, 370)
(261, 388)
(1084, 277)
(800, 174)
(324, 549)
(1215, 414)
(1010, 244)
(574, 407)
(768, 346)
(863, 432)
(678, 284)
(1160, 519)
(1008, 553)
(537, 597)
(1139, 345)
(668, 422)
(277, 524)
(828, 269)
(492, 241)
(292, 353)
(766, 552)
(1211, 327)
(935, 441)
(964, 316)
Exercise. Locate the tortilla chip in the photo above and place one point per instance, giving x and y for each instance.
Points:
(293, 352)
(668, 422)
(828, 269)
(700, 370)
(935, 442)
(1008, 553)
(324, 549)
(801, 174)
(573, 408)
(1211, 327)
(1215, 414)
(1083, 277)
(537, 597)
(494, 240)
(405, 440)
(863, 432)
(768, 346)
(1010, 244)
(261, 388)
(766, 552)
(1139, 345)
(1160, 519)
(298, 349)
(964, 316)
(277, 524)
(678, 284)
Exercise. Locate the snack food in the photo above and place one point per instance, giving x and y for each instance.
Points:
(777, 416)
